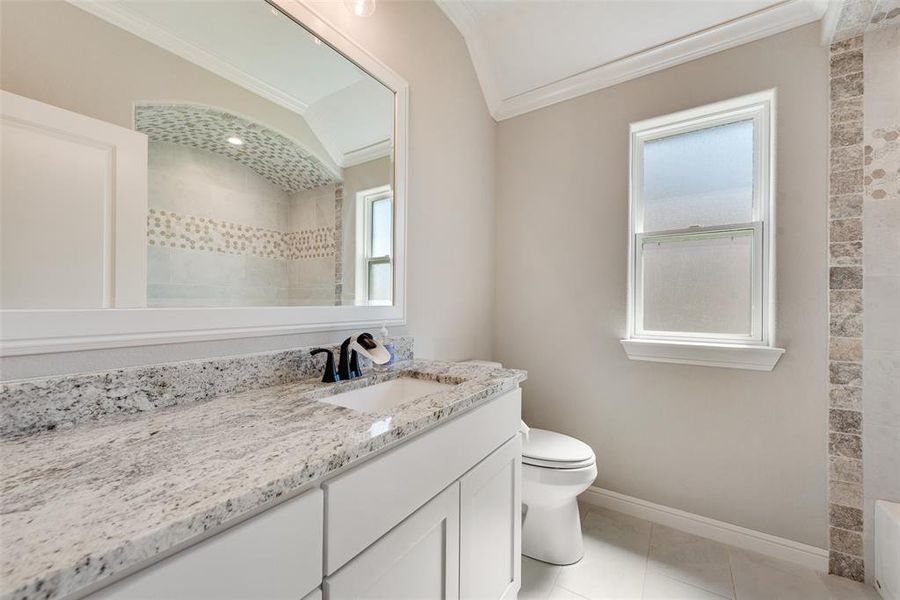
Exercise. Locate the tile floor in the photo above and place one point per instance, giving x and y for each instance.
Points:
(628, 558)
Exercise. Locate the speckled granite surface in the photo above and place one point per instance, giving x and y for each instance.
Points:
(33, 405)
(83, 503)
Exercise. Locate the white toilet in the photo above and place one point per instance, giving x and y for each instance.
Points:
(555, 469)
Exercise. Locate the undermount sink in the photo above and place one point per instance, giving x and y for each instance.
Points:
(382, 396)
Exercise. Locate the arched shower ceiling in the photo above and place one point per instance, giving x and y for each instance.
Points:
(270, 154)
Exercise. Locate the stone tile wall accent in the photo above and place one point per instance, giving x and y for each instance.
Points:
(170, 229)
(845, 368)
(32, 405)
(269, 153)
(858, 16)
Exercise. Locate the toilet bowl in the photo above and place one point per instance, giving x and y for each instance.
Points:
(555, 469)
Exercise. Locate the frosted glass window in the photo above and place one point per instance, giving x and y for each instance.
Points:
(702, 284)
(702, 177)
(701, 242)
(379, 282)
(374, 277)
(381, 227)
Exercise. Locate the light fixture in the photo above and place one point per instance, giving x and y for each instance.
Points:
(360, 8)
(235, 141)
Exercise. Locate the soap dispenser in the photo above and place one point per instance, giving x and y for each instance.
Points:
(389, 346)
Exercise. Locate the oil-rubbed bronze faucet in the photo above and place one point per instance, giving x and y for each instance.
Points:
(329, 376)
(348, 362)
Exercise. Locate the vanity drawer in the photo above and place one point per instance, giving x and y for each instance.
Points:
(371, 499)
(275, 555)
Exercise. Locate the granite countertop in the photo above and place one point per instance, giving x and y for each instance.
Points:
(81, 504)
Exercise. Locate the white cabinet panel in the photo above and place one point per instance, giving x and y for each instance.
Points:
(276, 555)
(491, 525)
(418, 559)
(74, 209)
(369, 500)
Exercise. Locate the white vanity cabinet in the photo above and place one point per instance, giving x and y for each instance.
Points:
(418, 559)
(463, 543)
(438, 516)
(490, 515)
(276, 555)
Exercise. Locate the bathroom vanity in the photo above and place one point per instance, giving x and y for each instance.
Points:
(404, 483)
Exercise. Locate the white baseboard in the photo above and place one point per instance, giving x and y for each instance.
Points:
(720, 531)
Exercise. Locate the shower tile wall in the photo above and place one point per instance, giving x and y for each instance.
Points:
(881, 272)
(288, 262)
(311, 281)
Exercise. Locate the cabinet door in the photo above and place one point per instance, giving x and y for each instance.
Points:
(276, 555)
(491, 526)
(417, 559)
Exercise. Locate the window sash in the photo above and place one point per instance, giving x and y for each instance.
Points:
(755, 231)
(759, 155)
(758, 108)
(369, 221)
(364, 258)
(378, 260)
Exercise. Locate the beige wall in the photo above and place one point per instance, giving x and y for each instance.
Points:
(450, 247)
(740, 446)
(59, 54)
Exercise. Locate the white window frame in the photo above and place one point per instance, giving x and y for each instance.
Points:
(364, 201)
(749, 351)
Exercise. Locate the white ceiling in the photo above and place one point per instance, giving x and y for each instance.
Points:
(532, 53)
(257, 47)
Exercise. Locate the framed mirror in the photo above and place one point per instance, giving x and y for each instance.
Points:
(194, 170)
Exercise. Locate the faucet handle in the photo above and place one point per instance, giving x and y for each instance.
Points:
(369, 347)
(329, 376)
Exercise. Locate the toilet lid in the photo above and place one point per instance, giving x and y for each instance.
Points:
(550, 449)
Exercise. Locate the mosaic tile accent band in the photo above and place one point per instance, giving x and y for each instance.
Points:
(338, 244)
(169, 229)
(270, 154)
(845, 354)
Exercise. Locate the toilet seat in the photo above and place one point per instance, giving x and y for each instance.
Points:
(552, 450)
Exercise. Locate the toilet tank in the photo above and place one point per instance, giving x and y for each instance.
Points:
(887, 549)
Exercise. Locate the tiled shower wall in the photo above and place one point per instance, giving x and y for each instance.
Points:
(864, 419)
(881, 271)
(221, 235)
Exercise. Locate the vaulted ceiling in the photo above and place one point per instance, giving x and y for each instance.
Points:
(254, 46)
(533, 53)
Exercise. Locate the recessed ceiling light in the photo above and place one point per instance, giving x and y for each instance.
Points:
(235, 141)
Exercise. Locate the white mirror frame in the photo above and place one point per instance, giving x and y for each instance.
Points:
(44, 331)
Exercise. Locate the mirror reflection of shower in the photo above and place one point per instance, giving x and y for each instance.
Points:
(239, 214)
(242, 179)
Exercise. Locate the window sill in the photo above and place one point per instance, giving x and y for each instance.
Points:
(755, 358)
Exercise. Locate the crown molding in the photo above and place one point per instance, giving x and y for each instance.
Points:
(114, 14)
(367, 153)
(763, 23)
